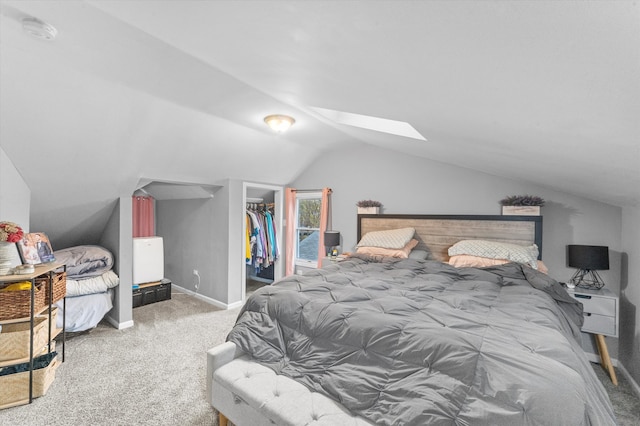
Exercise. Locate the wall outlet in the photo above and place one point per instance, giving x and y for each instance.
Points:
(197, 275)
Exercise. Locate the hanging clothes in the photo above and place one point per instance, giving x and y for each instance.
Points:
(262, 247)
(248, 240)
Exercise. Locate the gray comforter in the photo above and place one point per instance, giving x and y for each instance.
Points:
(411, 342)
(85, 261)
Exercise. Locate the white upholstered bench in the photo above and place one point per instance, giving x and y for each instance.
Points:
(247, 393)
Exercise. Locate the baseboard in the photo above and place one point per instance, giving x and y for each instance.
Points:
(617, 364)
(596, 358)
(214, 302)
(630, 379)
(120, 325)
(237, 304)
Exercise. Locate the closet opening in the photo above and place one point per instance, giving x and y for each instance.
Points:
(262, 229)
(173, 255)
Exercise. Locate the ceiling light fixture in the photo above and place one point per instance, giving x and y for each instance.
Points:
(36, 28)
(279, 123)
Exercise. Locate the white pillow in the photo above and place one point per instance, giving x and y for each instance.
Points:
(393, 238)
(527, 255)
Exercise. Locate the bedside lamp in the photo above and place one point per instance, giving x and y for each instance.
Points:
(331, 240)
(588, 260)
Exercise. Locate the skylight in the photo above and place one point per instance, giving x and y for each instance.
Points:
(399, 128)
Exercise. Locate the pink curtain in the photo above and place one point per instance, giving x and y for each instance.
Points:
(325, 219)
(290, 239)
(143, 216)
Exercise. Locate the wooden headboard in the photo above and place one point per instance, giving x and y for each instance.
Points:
(437, 233)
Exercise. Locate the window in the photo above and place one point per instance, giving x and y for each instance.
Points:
(307, 228)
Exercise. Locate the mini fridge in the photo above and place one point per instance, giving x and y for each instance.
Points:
(148, 260)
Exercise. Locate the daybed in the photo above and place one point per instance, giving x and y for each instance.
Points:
(90, 283)
(409, 341)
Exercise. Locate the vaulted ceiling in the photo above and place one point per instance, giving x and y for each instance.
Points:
(540, 91)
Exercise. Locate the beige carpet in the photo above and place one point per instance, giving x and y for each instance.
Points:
(149, 374)
(154, 372)
(626, 403)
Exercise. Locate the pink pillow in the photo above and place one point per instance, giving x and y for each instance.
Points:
(379, 251)
(469, 261)
(542, 267)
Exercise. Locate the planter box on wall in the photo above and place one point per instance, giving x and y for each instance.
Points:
(521, 210)
(368, 210)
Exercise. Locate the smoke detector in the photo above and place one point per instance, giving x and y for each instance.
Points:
(36, 28)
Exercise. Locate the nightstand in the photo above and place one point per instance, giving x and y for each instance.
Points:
(601, 314)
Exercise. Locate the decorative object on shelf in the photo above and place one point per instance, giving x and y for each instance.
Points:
(279, 123)
(24, 269)
(521, 205)
(588, 260)
(368, 206)
(331, 241)
(35, 249)
(6, 255)
(10, 234)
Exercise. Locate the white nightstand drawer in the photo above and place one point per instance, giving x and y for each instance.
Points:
(599, 324)
(597, 305)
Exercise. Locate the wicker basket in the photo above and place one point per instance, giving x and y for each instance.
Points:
(17, 304)
(15, 338)
(54, 320)
(59, 286)
(14, 388)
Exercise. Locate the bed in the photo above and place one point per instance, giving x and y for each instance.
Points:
(411, 341)
(90, 284)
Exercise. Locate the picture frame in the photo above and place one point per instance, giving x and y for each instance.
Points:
(35, 248)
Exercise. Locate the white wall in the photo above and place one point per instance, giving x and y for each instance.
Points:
(234, 249)
(205, 234)
(15, 197)
(630, 292)
(116, 237)
(406, 184)
(190, 242)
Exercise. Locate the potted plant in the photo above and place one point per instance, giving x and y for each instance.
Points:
(522, 205)
(368, 206)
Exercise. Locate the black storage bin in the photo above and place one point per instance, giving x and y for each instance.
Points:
(137, 297)
(147, 294)
(163, 292)
(266, 272)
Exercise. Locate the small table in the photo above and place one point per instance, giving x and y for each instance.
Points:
(601, 314)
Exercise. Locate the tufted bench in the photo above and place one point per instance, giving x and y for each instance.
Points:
(248, 393)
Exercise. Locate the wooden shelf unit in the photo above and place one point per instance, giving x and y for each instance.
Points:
(47, 270)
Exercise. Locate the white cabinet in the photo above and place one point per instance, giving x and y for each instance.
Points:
(600, 310)
(601, 316)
